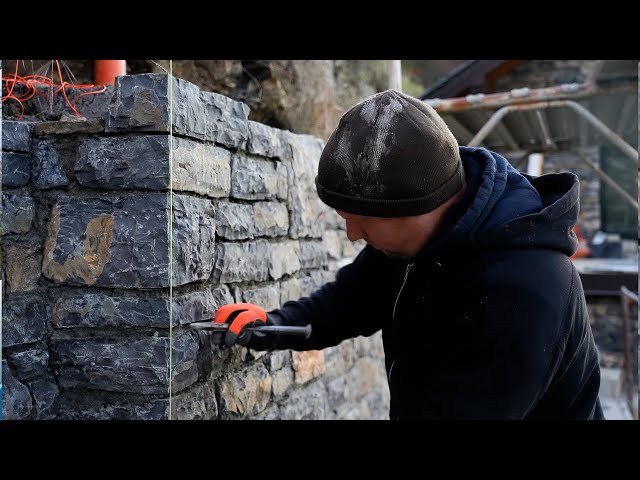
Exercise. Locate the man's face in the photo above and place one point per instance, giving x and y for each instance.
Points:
(397, 237)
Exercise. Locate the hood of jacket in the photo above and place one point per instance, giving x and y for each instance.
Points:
(503, 208)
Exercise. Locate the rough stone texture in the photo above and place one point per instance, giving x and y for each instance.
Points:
(16, 400)
(297, 287)
(77, 404)
(16, 169)
(196, 403)
(307, 404)
(139, 103)
(24, 320)
(100, 310)
(24, 259)
(253, 178)
(234, 221)
(246, 393)
(75, 125)
(189, 115)
(17, 213)
(237, 262)
(282, 187)
(282, 382)
(305, 206)
(284, 259)
(125, 365)
(108, 242)
(200, 168)
(193, 307)
(312, 254)
(226, 119)
(267, 141)
(193, 239)
(307, 365)
(30, 363)
(15, 136)
(271, 219)
(271, 413)
(221, 295)
(45, 395)
(333, 240)
(279, 359)
(123, 241)
(267, 297)
(46, 171)
(124, 162)
(332, 221)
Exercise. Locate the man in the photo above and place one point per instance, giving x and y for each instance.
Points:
(466, 271)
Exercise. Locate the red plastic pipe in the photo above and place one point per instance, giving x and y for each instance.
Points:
(106, 71)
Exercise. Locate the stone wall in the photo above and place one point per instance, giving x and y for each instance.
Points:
(96, 297)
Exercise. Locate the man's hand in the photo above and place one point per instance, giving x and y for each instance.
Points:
(239, 316)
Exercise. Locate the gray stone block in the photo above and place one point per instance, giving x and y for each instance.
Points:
(271, 413)
(46, 170)
(23, 265)
(283, 259)
(24, 320)
(271, 219)
(126, 365)
(45, 395)
(16, 169)
(193, 307)
(226, 119)
(253, 178)
(16, 400)
(15, 136)
(234, 221)
(17, 213)
(196, 403)
(245, 261)
(282, 382)
(193, 239)
(245, 393)
(124, 162)
(80, 404)
(267, 297)
(282, 182)
(200, 168)
(104, 311)
(267, 141)
(65, 127)
(300, 286)
(279, 359)
(332, 221)
(140, 103)
(309, 403)
(221, 296)
(333, 240)
(303, 202)
(30, 363)
(189, 113)
(109, 242)
(312, 254)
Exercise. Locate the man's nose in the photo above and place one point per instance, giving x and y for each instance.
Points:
(353, 232)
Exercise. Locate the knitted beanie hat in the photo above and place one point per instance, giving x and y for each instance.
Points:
(390, 156)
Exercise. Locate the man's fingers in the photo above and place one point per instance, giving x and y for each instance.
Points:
(224, 312)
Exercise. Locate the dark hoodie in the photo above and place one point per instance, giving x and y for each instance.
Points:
(488, 321)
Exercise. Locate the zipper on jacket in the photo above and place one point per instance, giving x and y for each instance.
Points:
(393, 317)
